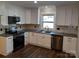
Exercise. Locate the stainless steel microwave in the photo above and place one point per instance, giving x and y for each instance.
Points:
(13, 19)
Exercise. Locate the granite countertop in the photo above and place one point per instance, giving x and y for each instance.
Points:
(5, 35)
(53, 33)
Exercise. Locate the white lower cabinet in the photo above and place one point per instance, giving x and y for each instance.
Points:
(33, 38)
(26, 38)
(42, 40)
(69, 44)
(6, 45)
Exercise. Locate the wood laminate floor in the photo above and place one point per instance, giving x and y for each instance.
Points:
(31, 51)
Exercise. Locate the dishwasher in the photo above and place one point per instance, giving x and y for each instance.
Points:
(57, 42)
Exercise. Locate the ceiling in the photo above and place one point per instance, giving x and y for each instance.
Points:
(31, 4)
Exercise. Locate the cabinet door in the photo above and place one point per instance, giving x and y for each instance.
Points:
(2, 45)
(28, 16)
(26, 36)
(41, 40)
(11, 11)
(68, 16)
(22, 16)
(44, 41)
(34, 16)
(32, 38)
(66, 44)
(2, 12)
(47, 41)
(4, 20)
(73, 45)
(69, 45)
(60, 16)
(9, 44)
(75, 15)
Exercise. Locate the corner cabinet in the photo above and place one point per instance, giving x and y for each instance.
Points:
(67, 15)
(69, 44)
(6, 45)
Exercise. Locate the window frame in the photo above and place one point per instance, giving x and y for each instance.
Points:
(48, 21)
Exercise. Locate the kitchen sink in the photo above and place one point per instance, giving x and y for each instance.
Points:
(43, 31)
(48, 31)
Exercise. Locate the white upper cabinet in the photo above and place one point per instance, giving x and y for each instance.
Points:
(2, 8)
(3, 13)
(4, 20)
(60, 15)
(28, 16)
(67, 15)
(22, 16)
(11, 11)
(75, 15)
(32, 16)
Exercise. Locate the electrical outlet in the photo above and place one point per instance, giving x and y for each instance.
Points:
(0, 29)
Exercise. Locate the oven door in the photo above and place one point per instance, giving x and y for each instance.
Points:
(18, 42)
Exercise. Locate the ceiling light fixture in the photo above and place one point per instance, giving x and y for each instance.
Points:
(46, 6)
(35, 1)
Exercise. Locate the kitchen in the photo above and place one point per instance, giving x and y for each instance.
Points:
(52, 27)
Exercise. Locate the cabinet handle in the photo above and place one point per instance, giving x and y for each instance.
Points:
(69, 38)
(10, 38)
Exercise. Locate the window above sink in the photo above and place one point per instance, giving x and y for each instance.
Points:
(48, 21)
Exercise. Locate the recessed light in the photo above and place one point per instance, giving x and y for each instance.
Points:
(46, 6)
(35, 1)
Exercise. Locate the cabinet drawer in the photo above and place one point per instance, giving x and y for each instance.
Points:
(26, 34)
(11, 37)
(69, 44)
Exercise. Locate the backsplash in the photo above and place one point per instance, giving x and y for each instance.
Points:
(67, 29)
(2, 30)
(63, 29)
(30, 26)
